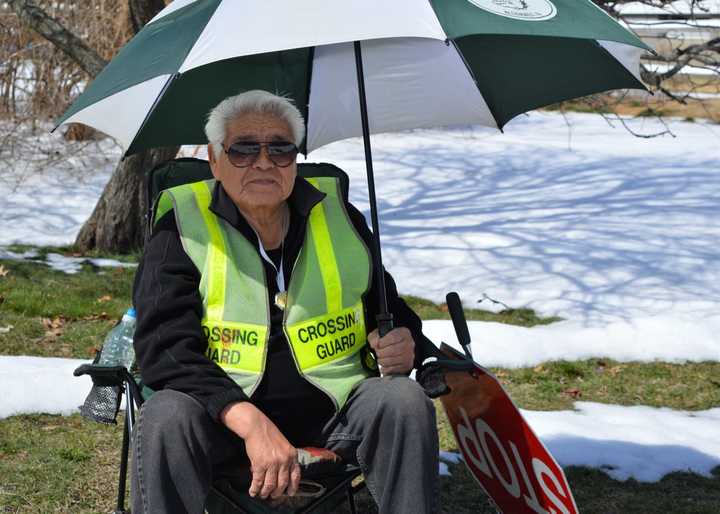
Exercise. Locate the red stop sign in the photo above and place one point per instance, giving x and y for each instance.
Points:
(499, 447)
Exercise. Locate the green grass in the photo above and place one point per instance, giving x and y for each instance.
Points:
(58, 314)
(57, 464)
(648, 113)
(60, 464)
(556, 385)
(586, 105)
(33, 289)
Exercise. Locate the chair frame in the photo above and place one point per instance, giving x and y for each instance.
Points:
(118, 376)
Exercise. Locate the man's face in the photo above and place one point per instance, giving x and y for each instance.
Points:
(261, 183)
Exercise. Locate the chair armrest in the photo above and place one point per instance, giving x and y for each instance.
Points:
(103, 376)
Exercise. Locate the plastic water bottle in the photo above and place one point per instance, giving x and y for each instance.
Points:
(118, 348)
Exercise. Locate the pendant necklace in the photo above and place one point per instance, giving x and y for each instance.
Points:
(280, 299)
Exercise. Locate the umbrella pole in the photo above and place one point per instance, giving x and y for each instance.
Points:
(384, 318)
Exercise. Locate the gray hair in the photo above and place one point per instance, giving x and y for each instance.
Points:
(254, 101)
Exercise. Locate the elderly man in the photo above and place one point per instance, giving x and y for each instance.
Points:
(244, 290)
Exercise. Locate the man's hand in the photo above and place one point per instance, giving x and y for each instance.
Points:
(273, 460)
(395, 352)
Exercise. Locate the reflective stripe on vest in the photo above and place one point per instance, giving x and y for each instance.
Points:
(324, 317)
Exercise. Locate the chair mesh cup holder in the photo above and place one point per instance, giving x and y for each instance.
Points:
(102, 404)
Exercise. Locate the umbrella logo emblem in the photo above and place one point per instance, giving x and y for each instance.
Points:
(527, 10)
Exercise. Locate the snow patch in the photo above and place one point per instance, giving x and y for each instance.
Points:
(450, 457)
(443, 470)
(644, 443)
(661, 338)
(69, 265)
(72, 265)
(41, 385)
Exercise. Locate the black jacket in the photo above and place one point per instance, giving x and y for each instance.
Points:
(170, 345)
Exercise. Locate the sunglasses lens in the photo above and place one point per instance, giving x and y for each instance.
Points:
(282, 154)
(243, 154)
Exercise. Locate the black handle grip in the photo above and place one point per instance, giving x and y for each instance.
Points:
(385, 323)
(458, 318)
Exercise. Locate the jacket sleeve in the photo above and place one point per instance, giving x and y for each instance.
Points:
(403, 315)
(169, 343)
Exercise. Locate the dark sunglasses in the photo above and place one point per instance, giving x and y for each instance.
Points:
(244, 153)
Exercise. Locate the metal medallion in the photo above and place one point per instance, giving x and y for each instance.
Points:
(281, 300)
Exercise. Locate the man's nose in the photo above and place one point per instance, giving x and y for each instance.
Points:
(263, 161)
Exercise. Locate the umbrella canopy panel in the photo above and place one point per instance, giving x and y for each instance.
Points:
(409, 83)
(514, 80)
(240, 28)
(426, 64)
(180, 114)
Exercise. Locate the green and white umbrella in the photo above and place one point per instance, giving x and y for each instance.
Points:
(426, 63)
(357, 67)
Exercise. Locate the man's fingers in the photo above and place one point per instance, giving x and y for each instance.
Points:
(395, 350)
(392, 370)
(373, 339)
(270, 482)
(294, 479)
(394, 337)
(283, 480)
(404, 348)
(395, 360)
(391, 338)
(258, 479)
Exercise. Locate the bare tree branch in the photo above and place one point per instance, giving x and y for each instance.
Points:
(48, 27)
(609, 118)
(673, 96)
(702, 55)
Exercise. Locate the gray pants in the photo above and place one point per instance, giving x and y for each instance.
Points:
(387, 428)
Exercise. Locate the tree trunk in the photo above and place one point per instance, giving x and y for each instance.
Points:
(118, 223)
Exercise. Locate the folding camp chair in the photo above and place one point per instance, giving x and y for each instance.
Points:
(322, 493)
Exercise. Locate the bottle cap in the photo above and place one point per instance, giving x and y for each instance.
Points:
(131, 312)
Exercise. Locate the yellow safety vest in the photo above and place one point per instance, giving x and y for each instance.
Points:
(324, 319)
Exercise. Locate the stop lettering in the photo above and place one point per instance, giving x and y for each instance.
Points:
(500, 449)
